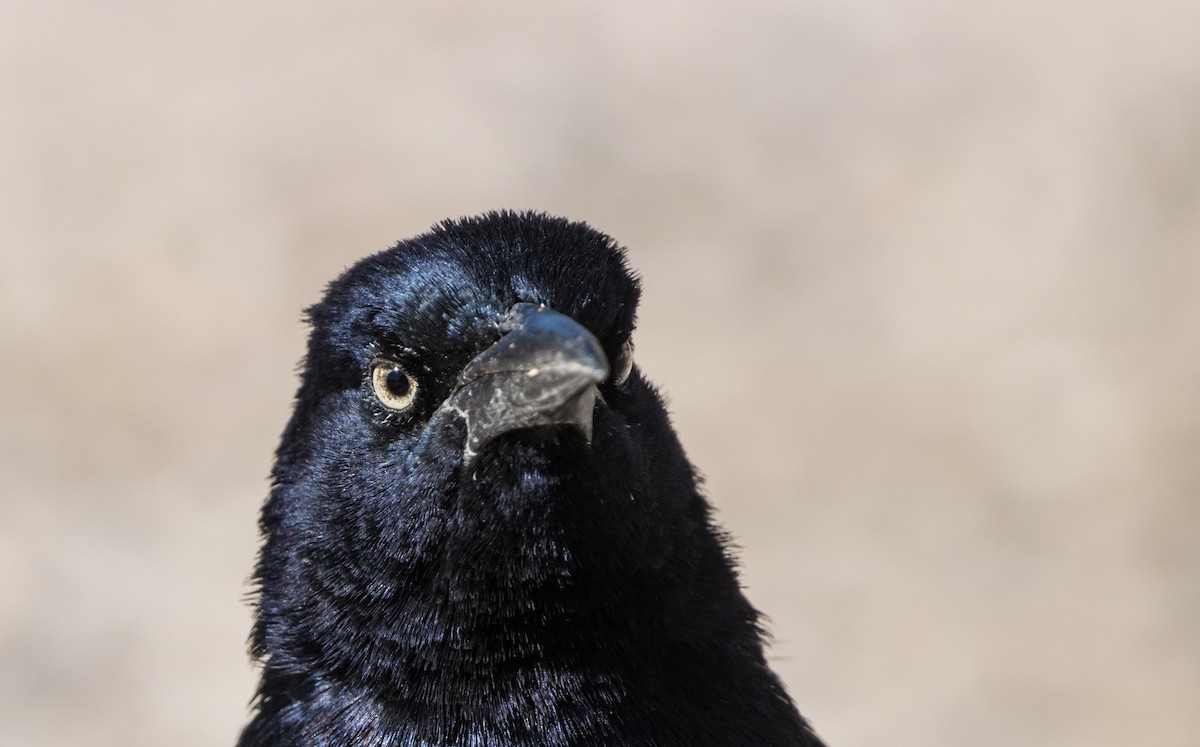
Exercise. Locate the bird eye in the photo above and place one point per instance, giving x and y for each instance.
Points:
(394, 388)
(623, 364)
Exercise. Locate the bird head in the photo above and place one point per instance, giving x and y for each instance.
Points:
(473, 444)
(482, 527)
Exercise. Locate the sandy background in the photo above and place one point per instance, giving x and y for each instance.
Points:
(921, 280)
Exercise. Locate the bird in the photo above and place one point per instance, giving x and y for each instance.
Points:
(482, 528)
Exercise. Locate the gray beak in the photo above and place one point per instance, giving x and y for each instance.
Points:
(543, 372)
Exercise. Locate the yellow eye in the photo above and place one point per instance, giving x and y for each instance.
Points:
(394, 388)
(623, 364)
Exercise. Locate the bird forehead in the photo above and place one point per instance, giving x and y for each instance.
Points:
(448, 297)
(432, 300)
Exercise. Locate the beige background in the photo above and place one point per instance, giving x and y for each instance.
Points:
(921, 280)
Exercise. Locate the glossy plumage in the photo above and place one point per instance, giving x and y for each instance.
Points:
(540, 585)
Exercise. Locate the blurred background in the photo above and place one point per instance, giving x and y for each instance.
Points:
(922, 280)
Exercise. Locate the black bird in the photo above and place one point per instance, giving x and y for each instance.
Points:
(482, 529)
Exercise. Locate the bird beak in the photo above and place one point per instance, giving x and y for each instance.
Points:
(542, 372)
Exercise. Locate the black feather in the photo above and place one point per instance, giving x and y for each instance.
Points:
(546, 591)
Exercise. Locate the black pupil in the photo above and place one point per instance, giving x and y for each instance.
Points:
(398, 383)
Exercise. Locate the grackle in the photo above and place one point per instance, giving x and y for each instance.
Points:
(482, 529)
